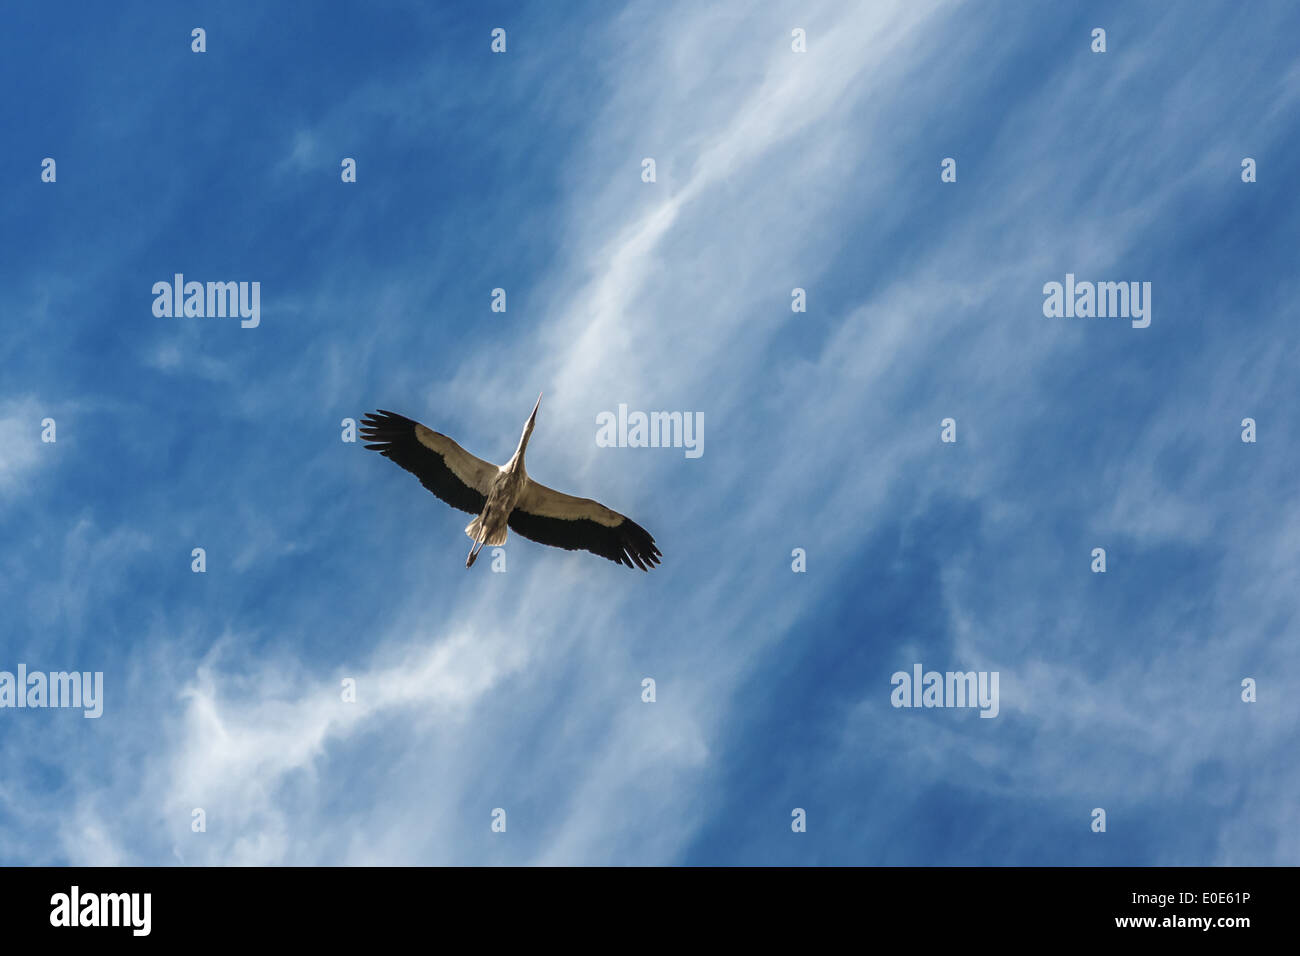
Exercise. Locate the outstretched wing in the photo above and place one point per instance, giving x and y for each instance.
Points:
(449, 471)
(563, 521)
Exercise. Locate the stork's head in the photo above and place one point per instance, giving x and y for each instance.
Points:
(528, 426)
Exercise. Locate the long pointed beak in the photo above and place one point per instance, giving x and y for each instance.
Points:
(535, 407)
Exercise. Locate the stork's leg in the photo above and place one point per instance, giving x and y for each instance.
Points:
(474, 549)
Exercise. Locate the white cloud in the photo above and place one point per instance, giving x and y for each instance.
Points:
(20, 439)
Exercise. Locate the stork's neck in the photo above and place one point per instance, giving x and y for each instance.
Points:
(516, 462)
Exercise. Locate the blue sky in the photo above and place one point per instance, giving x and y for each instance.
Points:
(775, 170)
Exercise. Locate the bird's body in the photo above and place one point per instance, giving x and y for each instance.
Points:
(491, 526)
(505, 497)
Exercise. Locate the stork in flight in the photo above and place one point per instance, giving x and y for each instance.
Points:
(505, 496)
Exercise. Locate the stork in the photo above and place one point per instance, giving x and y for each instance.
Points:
(505, 497)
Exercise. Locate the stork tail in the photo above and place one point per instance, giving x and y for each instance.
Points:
(478, 534)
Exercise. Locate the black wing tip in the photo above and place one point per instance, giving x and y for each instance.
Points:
(382, 417)
(383, 428)
(638, 547)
